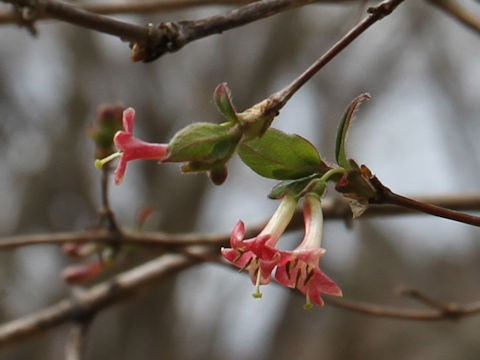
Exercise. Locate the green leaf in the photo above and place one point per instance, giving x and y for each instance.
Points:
(203, 142)
(223, 100)
(289, 186)
(340, 145)
(281, 156)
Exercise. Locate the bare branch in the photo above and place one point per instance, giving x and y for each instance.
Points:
(334, 209)
(106, 213)
(76, 342)
(144, 7)
(378, 12)
(385, 196)
(458, 12)
(93, 300)
(456, 310)
(155, 41)
(110, 292)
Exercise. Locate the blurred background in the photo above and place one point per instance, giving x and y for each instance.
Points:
(418, 134)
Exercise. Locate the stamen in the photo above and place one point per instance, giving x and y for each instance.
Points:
(299, 273)
(309, 276)
(100, 162)
(257, 294)
(247, 264)
(240, 253)
(287, 268)
(308, 303)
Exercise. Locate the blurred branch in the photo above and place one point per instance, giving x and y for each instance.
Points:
(376, 13)
(109, 8)
(76, 342)
(450, 310)
(334, 209)
(455, 311)
(457, 11)
(110, 292)
(148, 7)
(154, 40)
(106, 212)
(92, 300)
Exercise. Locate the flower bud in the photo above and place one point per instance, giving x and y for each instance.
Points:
(79, 274)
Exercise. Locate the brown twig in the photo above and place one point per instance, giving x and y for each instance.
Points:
(148, 7)
(333, 210)
(456, 310)
(378, 12)
(458, 12)
(109, 8)
(106, 212)
(92, 300)
(76, 342)
(110, 292)
(448, 310)
(386, 196)
(155, 41)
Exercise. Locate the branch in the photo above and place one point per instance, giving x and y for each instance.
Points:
(110, 292)
(385, 196)
(458, 12)
(93, 300)
(76, 342)
(378, 12)
(106, 213)
(455, 311)
(153, 41)
(144, 7)
(333, 210)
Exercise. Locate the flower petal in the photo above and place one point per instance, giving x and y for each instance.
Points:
(119, 172)
(317, 284)
(238, 233)
(128, 119)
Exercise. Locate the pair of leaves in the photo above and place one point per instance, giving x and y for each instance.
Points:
(205, 147)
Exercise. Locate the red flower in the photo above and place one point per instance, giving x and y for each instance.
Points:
(258, 255)
(131, 148)
(299, 268)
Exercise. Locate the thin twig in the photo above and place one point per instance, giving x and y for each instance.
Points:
(333, 210)
(386, 196)
(93, 300)
(143, 7)
(458, 12)
(110, 8)
(457, 311)
(76, 342)
(161, 38)
(378, 12)
(448, 310)
(110, 292)
(106, 212)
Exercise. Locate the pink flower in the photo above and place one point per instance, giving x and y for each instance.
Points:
(82, 273)
(131, 148)
(299, 268)
(258, 255)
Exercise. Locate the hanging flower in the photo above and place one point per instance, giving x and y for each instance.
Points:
(299, 268)
(258, 255)
(131, 148)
